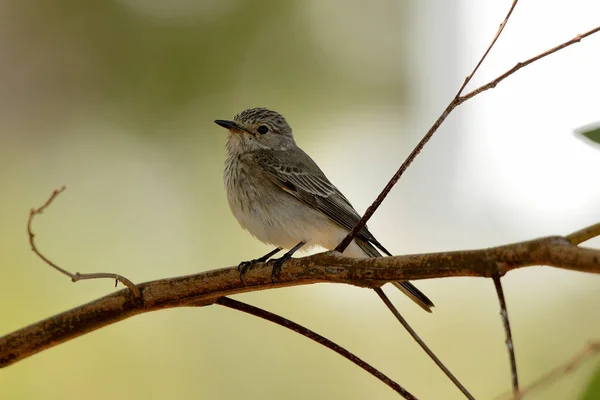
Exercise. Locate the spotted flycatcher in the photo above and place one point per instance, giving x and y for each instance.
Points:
(281, 196)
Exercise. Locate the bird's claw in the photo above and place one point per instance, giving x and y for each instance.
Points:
(245, 266)
(277, 264)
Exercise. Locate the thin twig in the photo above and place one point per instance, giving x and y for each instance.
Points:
(583, 235)
(286, 323)
(578, 360)
(500, 29)
(76, 276)
(421, 343)
(509, 340)
(492, 84)
(451, 106)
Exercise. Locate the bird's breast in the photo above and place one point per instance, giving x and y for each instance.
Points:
(267, 212)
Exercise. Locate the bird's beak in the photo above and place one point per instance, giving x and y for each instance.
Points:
(232, 126)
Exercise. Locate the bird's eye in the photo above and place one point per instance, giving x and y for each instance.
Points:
(262, 129)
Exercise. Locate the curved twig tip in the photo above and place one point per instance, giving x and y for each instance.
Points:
(76, 276)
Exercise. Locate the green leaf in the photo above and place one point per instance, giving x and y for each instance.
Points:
(592, 391)
(590, 132)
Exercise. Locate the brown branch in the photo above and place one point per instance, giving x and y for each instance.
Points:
(589, 351)
(76, 276)
(422, 344)
(224, 301)
(206, 287)
(286, 323)
(456, 101)
(509, 340)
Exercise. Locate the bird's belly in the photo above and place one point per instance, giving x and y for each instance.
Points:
(278, 218)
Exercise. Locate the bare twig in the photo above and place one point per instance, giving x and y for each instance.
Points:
(76, 276)
(421, 343)
(492, 84)
(500, 29)
(453, 104)
(583, 235)
(32, 213)
(509, 340)
(286, 323)
(579, 359)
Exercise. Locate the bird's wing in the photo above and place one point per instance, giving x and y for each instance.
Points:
(297, 174)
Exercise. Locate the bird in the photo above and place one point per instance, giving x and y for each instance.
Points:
(281, 196)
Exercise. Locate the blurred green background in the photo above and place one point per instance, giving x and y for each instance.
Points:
(116, 100)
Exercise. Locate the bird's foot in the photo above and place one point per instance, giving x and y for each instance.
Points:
(244, 266)
(277, 263)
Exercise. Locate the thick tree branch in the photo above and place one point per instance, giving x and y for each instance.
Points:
(206, 287)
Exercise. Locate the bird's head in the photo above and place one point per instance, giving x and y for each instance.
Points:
(257, 128)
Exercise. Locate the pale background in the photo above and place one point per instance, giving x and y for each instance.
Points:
(116, 99)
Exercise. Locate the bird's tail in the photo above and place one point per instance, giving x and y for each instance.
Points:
(406, 287)
(415, 295)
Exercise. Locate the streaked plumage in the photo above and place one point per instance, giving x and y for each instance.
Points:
(281, 196)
